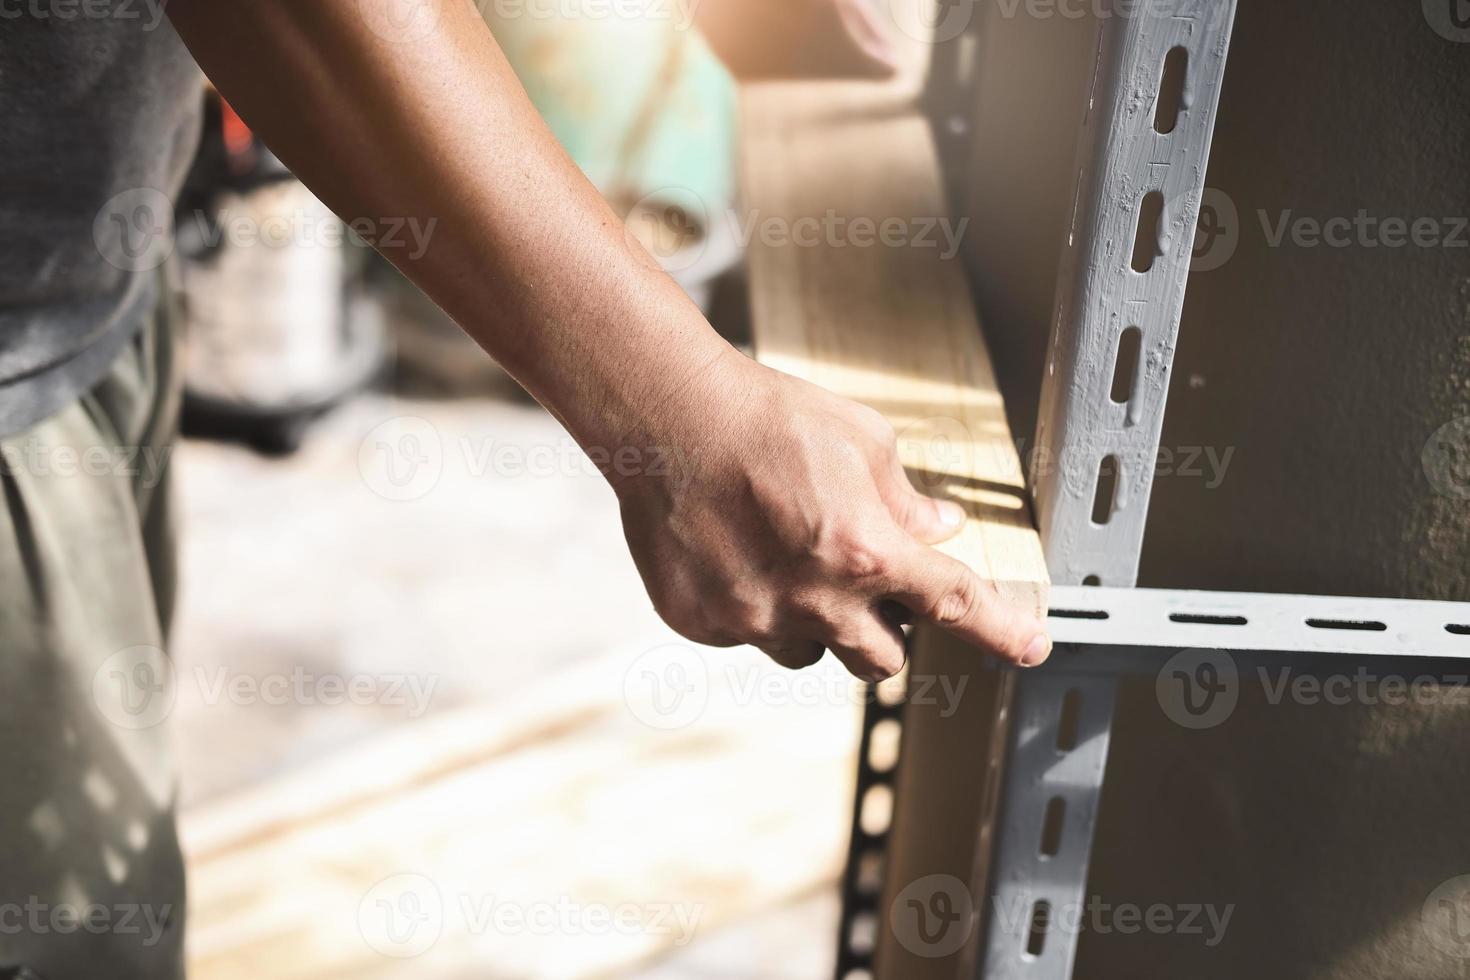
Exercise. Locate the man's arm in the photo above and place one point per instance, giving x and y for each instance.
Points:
(785, 520)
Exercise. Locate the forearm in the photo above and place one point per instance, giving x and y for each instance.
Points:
(434, 127)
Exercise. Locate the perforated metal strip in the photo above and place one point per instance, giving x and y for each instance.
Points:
(1142, 156)
(1257, 621)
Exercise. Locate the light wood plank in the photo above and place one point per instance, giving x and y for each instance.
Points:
(894, 327)
(889, 325)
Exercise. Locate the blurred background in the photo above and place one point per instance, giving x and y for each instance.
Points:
(430, 724)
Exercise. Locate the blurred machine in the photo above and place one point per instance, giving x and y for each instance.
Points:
(279, 327)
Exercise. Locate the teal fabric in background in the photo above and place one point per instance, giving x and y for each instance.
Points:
(640, 102)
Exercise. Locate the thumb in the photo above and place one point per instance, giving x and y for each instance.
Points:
(926, 519)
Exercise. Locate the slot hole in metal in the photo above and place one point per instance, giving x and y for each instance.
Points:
(1051, 827)
(1069, 720)
(1171, 91)
(1459, 629)
(1125, 367)
(1363, 625)
(1104, 503)
(1040, 921)
(1146, 243)
(1078, 614)
(1203, 619)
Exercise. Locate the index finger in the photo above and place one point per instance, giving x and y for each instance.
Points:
(947, 593)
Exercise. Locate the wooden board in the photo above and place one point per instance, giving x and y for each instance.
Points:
(890, 322)
(889, 325)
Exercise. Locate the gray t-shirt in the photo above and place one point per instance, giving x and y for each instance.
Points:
(99, 119)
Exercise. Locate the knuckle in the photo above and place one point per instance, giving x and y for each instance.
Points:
(814, 610)
(959, 603)
(690, 621)
(856, 559)
(749, 622)
(846, 553)
(876, 424)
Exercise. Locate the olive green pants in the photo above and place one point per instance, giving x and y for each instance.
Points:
(91, 879)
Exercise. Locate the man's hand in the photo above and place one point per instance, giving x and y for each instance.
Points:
(794, 526)
(790, 524)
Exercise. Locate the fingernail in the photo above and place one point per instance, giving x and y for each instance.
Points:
(1037, 652)
(951, 514)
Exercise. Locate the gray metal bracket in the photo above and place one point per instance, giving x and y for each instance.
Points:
(1257, 621)
(1142, 157)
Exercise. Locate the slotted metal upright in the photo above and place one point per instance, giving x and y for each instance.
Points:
(1141, 162)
